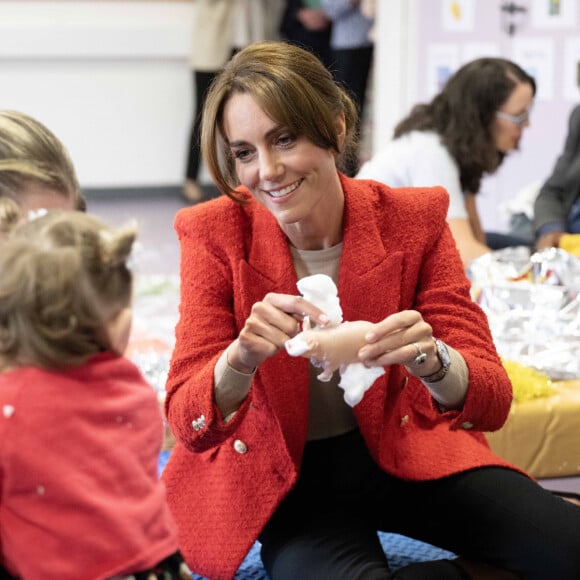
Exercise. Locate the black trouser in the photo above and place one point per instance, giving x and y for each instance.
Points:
(201, 83)
(4, 574)
(352, 67)
(326, 527)
(498, 241)
(171, 568)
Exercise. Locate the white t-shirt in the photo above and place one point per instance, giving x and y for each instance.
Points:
(418, 159)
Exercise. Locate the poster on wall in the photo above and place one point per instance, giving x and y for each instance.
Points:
(571, 70)
(554, 13)
(458, 15)
(536, 57)
(442, 62)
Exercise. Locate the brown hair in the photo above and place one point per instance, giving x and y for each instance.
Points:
(63, 276)
(293, 88)
(30, 153)
(9, 216)
(463, 113)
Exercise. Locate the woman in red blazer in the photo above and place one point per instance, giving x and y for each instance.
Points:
(267, 451)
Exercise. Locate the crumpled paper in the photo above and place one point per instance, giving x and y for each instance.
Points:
(532, 302)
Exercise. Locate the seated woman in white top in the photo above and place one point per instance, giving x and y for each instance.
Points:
(461, 135)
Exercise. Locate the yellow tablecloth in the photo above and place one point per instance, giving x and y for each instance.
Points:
(542, 436)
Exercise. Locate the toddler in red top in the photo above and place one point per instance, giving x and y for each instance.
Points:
(80, 429)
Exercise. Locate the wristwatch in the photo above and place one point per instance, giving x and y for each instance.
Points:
(444, 359)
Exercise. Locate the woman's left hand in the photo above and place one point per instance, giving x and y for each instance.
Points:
(402, 338)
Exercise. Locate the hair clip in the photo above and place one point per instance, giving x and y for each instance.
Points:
(36, 213)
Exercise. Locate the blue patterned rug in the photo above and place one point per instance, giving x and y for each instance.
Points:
(401, 550)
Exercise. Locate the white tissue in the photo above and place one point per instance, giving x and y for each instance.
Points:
(296, 346)
(356, 380)
(320, 290)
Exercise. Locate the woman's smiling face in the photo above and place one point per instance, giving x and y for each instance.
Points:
(289, 175)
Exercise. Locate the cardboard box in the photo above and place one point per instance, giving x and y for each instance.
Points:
(542, 436)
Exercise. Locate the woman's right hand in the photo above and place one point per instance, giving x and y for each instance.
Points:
(272, 321)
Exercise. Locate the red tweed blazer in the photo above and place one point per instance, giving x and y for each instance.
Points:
(398, 254)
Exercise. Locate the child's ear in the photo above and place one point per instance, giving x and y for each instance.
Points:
(118, 330)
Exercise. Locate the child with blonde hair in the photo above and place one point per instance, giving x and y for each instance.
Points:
(36, 170)
(80, 429)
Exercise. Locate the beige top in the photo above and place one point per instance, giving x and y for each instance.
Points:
(211, 42)
(329, 414)
(220, 26)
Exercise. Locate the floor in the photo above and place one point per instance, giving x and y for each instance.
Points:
(158, 254)
(158, 249)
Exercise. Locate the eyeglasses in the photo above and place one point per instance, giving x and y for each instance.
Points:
(517, 120)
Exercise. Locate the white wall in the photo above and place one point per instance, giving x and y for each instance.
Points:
(395, 66)
(111, 79)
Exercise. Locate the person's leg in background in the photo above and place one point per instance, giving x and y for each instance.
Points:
(192, 192)
(499, 241)
(351, 67)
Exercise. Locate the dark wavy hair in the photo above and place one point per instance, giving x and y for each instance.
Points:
(463, 112)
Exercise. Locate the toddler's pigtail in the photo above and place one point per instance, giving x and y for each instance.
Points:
(10, 215)
(115, 247)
